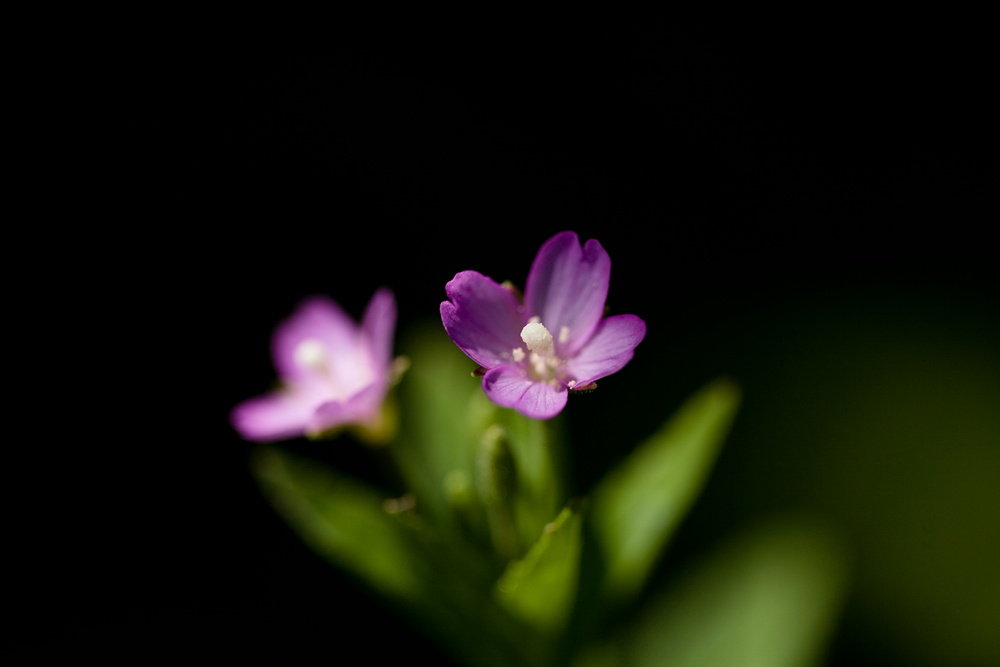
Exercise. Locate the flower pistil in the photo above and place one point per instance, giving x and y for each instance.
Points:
(543, 364)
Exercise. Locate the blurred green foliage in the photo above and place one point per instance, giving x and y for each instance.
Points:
(771, 595)
(878, 410)
(489, 554)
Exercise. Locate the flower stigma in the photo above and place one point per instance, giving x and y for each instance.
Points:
(536, 337)
(311, 355)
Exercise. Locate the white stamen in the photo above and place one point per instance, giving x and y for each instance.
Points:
(536, 337)
(539, 363)
(563, 334)
(518, 354)
(310, 354)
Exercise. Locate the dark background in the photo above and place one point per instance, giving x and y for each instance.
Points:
(811, 217)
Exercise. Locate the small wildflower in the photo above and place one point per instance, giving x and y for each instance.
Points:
(333, 371)
(534, 350)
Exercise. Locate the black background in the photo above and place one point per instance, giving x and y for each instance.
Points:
(727, 181)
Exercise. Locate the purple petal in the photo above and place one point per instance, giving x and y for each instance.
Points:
(316, 318)
(274, 416)
(609, 349)
(483, 318)
(508, 386)
(360, 407)
(567, 287)
(378, 326)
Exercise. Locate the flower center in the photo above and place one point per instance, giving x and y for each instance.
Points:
(536, 337)
(310, 355)
(542, 362)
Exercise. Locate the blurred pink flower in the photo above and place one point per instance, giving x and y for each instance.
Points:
(333, 372)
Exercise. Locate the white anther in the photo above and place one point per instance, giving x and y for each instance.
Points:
(563, 334)
(518, 354)
(310, 354)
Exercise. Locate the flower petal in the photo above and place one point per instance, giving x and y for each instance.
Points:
(317, 318)
(609, 349)
(378, 325)
(358, 408)
(508, 386)
(567, 287)
(483, 318)
(275, 416)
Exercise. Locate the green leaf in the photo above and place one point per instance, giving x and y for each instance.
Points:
(438, 583)
(598, 654)
(541, 587)
(443, 416)
(539, 492)
(769, 597)
(341, 519)
(638, 505)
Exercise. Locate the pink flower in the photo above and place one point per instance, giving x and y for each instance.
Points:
(533, 352)
(333, 372)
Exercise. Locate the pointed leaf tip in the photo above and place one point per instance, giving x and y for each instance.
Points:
(541, 587)
(341, 519)
(639, 504)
